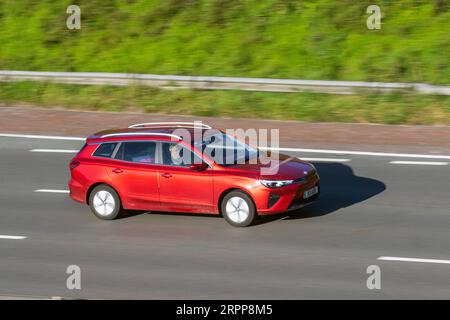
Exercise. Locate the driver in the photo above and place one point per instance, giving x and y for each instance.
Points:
(176, 154)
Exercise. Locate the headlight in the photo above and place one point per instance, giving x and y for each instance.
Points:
(275, 183)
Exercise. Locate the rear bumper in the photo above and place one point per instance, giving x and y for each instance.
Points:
(77, 191)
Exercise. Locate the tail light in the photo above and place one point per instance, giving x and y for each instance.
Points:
(74, 164)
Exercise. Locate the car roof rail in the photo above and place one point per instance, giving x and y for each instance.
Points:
(171, 125)
(125, 134)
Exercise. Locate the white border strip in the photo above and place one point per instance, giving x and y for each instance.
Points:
(6, 237)
(51, 191)
(324, 159)
(54, 150)
(360, 153)
(423, 163)
(32, 136)
(414, 260)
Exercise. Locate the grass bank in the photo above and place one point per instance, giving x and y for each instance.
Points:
(311, 39)
(385, 108)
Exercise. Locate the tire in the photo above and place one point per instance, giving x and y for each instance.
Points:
(245, 214)
(105, 202)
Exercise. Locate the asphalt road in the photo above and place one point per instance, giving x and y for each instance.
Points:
(369, 208)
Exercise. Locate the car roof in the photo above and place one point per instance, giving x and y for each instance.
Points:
(164, 132)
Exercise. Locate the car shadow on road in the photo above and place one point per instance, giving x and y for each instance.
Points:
(340, 188)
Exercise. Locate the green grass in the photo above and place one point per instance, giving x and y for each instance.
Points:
(320, 39)
(386, 108)
(315, 39)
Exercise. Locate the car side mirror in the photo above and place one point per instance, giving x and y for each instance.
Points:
(199, 166)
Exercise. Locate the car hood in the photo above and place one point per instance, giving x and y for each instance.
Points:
(277, 167)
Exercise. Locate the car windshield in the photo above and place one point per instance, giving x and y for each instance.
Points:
(225, 149)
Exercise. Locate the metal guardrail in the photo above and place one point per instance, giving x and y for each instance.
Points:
(221, 83)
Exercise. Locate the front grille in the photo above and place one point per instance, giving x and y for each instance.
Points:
(296, 202)
(299, 200)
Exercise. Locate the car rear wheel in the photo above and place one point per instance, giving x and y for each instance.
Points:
(238, 209)
(105, 203)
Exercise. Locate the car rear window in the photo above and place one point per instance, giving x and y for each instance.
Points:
(141, 152)
(105, 150)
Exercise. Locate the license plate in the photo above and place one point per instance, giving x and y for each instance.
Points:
(310, 192)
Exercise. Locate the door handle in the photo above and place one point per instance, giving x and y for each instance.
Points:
(166, 175)
(117, 170)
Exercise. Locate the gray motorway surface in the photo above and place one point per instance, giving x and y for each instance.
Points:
(368, 208)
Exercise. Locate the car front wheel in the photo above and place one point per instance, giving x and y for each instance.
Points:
(105, 202)
(238, 209)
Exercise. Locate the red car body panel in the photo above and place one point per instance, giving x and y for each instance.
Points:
(158, 187)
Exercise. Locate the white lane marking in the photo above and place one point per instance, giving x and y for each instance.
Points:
(52, 191)
(423, 163)
(414, 260)
(12, 237)
(32, 136)
(360, 153)
(324, 159)
(324, 151)
(54, 150)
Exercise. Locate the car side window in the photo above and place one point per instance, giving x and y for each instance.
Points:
(140, 152)
(105, 150)
(174, 154)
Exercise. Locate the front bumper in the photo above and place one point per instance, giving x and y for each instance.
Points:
(300, 202)
(288, 198)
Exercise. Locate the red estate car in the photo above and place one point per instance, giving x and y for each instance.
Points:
(150, 167)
